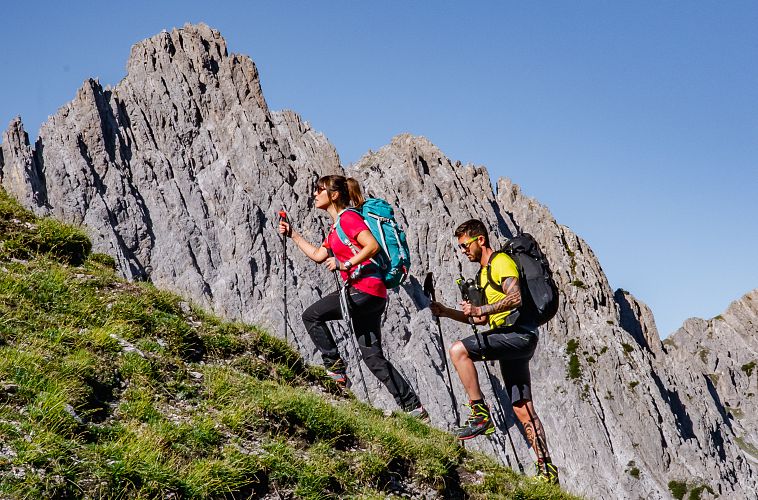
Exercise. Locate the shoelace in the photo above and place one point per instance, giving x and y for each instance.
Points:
(476, 410)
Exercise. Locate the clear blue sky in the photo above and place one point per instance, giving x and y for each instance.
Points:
(635, 122)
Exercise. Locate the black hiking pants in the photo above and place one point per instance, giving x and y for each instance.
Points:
(366, 311)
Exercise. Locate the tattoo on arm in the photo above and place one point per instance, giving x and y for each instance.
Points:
(511, 300)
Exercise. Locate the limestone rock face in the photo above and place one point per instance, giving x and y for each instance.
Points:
(724, 352)
(638, 320)
(179, 172)
(18, 169)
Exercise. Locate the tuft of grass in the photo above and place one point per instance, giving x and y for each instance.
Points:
(102, 259)
(25, 236)
(748, 368)
(632, 469)
(574, 369)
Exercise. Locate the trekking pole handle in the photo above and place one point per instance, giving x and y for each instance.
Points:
(283, 218)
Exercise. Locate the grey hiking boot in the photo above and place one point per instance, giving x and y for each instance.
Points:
(547, 472)
(477, 423)
(419, 413)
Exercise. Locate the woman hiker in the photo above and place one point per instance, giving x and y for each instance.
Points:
(367, 293)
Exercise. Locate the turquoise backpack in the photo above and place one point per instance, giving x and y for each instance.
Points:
(394, 259)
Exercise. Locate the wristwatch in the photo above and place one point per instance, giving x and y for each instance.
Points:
(348, 265)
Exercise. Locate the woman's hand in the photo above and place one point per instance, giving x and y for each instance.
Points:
(333, 264)
(285, 229)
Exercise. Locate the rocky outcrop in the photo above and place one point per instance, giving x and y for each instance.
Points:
(180, 169)
(19, 174)
(724, 352)
(637, 319)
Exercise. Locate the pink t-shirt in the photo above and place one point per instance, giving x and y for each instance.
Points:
(352, 224)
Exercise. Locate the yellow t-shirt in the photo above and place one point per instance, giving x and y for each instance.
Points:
(501, 267)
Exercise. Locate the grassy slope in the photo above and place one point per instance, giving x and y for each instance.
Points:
(110, 389)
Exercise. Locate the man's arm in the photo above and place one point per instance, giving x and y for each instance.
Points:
(454, 314)
(512, 300)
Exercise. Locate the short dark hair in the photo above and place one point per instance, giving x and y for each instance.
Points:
(473, 227)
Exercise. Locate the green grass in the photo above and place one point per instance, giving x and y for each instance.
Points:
(120, 390)
(574, 368)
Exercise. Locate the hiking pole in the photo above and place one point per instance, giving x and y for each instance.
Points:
(429, 292)
(464, 287)
(345, 308)
(283, 218)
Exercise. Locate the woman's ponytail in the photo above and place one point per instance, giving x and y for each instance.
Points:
(354, 190)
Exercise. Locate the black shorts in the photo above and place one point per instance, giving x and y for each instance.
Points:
(513, 347)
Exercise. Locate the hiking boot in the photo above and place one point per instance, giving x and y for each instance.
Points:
(419, 413)
(339, 377)
(547, 472)
(478, 422)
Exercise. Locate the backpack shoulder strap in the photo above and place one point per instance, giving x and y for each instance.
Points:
(341, 233)
(359, 269)
(490, 281)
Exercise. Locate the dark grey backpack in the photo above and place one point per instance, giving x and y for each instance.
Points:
(539, 293)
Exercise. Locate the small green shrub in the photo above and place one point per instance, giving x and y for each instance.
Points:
(574, 368)
(678, 489)
(571, 346)
(704, 355)
(748, 368)
(697, 491)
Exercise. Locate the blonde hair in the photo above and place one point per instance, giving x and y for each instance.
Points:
(354, 190)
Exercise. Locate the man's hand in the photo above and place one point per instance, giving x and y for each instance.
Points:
(470, 310)
(438, 309)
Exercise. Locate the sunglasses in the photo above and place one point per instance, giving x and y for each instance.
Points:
(464, 246)
(319, 189)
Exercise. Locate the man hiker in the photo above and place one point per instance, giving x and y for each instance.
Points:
(511, 339)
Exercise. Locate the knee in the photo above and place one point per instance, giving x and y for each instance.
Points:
(458, 352)
(310, 316)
